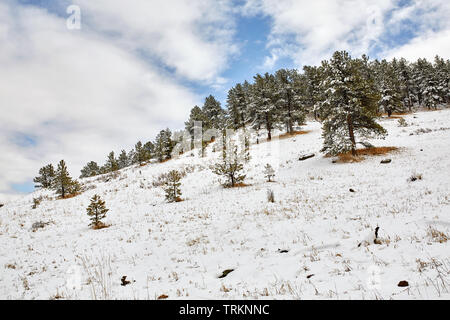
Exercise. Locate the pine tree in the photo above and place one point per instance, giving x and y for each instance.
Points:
(97, 211)
(269, 172)
(389, 88)
(215, 116)
(404, 74)
(172, 186)
(164, 145)
(63, 183)
(149, 149)
(289, 98)
(263, 103)
(313, 95)
(237, 102)
(111, 164)
(350, 107)
(123, 160)
(139, 154)
(45, 178)
(230, 168)
(91, 169)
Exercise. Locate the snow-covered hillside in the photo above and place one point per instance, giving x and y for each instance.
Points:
(314, 242)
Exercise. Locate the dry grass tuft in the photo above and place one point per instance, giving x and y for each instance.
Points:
(437, 236)
(360, 153)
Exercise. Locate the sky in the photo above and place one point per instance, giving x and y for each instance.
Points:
(80, 78)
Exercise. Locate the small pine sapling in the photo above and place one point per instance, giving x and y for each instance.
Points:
(230, 168)
(97, 211)
(172, 186)
(269, 172)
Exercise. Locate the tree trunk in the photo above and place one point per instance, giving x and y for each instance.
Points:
(351, 133)
(268, 126)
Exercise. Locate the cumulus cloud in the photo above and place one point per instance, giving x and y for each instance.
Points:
(195, 38)
(313, 30)
(77, 94)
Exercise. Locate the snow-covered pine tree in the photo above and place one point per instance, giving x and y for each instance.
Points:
(63, 183)
(404, 75)
(97, 211)
(139, 153)
(111, 164)
(289, 97)
(123, 160)
(215, 116)
(172, 186)
(45, 178)
(350, 104)
(149, 150)
(163, 145)
(264, 112)
(313, 95)
(269, 172)
(389, 88)
(237, 106)
(91, 169)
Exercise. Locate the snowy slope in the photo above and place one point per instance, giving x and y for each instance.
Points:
(180, 249)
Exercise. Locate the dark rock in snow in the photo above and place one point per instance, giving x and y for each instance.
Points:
(283, 251)
(351, 190)
(309, 276)
(1, 205)
(38, 225)
(386, 161)
(225, 273)
(124, 281)
(304, 157)
(403, 284)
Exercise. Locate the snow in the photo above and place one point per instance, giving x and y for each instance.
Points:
(180, 249)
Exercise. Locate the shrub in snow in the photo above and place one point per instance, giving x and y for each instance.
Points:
(97, 211)
(36, 202)
(402, 123)
(172, 186)
(270, 196)
(269, 172)
(415, 177)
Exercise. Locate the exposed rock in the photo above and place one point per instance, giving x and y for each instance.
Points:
(38, 225)
(163, 296)
(304, 157)
(124, 281)
(351, 190)
(225, 273)
(386, 161)
(283, 251)
(403, 284)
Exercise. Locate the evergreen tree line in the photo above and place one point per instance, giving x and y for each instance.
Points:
(345, 94)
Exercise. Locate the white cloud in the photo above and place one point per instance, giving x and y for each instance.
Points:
(425, 46)
(194, 37)
(313, 30)
(76, 94)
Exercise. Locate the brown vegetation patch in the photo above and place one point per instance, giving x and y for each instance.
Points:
(292, 134)
(68, 196)
(100, 225)
(240, 185)
(348, 157)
